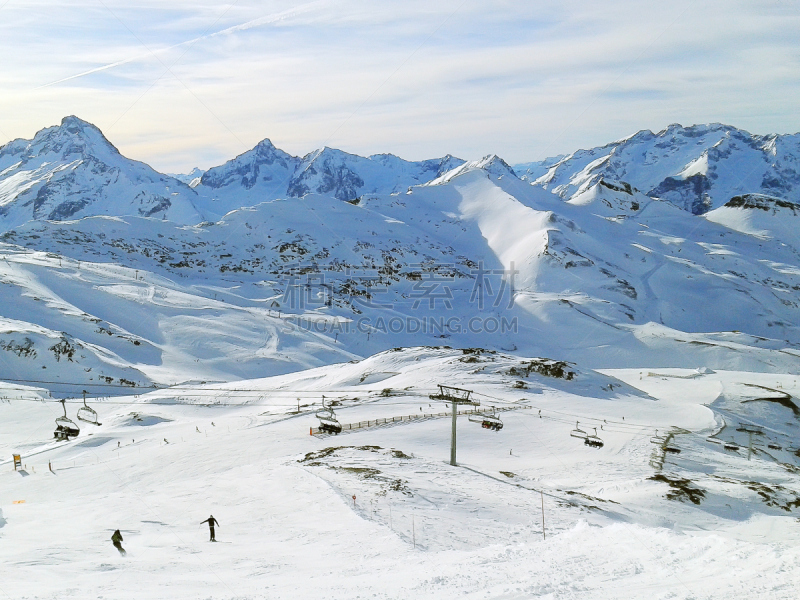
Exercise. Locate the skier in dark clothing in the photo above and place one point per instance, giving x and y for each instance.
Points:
(212, 522)
(116, 538)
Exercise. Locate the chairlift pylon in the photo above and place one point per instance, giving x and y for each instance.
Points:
(65, 427)
(87, 413)
(658, 440)
(578, 432)
(593, 440)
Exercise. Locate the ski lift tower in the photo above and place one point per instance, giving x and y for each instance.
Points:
(455, 396)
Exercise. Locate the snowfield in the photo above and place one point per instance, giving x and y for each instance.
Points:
(617, 524)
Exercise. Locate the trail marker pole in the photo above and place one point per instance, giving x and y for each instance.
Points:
(453, 435)
(413, 532)
(544, 537)
(354, 501)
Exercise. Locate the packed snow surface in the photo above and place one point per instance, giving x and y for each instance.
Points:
(380, 512)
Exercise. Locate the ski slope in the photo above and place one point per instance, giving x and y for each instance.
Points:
(289, 527)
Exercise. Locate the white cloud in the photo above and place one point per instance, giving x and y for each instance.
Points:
(197, 83)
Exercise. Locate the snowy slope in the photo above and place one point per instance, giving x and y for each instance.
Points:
(71, 171)
(698, 168)
(475, 259)
(378, 512)
(760, 216)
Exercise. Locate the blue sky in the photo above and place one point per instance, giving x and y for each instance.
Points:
(185, 84)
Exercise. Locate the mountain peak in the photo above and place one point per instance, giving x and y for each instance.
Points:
(74, 124)
(73, 136)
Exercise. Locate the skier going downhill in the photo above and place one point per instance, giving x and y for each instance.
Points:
(116, 539)
(212, 522)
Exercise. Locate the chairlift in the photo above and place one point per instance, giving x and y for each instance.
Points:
(454, 395)
(673, 449)
(593, 440)
(774, 446)
(87, 413)
(327, 419)
(325, 412)
(487, 420)
(578, 432)
(732, 446)
(65, 427)
(658, 440)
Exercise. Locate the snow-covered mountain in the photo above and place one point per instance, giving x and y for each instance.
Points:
(292, 276)
(267, 173)
(71, 171)
(611, 278)
(698, 168)
(192, 178)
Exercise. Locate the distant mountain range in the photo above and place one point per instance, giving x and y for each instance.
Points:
(71, 171)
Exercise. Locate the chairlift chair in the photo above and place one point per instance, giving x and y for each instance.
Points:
(488, 420)
(593, 440)
(327, 419)
(65, 427)
(578, 432)
(87, 413)
(492, 421)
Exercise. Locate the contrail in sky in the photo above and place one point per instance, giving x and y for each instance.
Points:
(266, 20)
